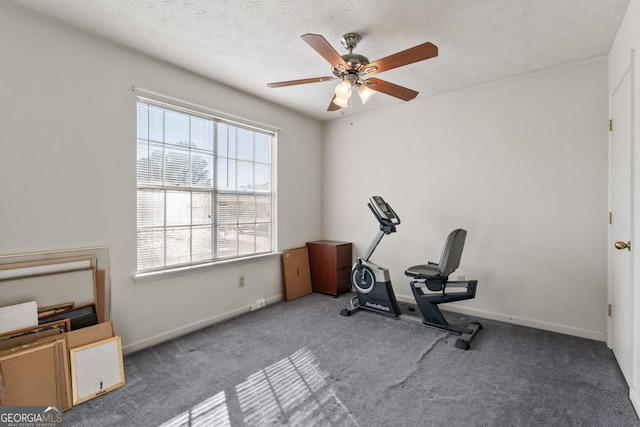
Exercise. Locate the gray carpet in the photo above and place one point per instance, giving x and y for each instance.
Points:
(300, 363)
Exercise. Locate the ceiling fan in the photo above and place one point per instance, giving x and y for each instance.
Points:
(352, 69)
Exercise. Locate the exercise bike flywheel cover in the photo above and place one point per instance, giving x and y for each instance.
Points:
(363, 279)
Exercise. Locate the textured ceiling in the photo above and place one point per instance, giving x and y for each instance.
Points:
(249, 43)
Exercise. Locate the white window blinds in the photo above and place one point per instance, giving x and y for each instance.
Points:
(204, 188)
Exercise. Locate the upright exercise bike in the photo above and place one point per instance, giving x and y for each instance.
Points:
(375, 292)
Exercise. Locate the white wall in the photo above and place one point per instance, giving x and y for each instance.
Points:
(67, 170)
(521, 164)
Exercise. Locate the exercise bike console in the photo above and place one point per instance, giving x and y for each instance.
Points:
(375, 292)
(383, 212)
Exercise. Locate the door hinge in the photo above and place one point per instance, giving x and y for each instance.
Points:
(610, 125)
(609, 310)
(610, 218)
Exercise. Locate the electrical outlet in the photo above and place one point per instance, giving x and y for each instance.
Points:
(257, 304)
(241, 281)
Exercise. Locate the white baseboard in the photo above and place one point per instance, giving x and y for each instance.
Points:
(634, 400)
(174, 333)
(531, 323)
(553, 327)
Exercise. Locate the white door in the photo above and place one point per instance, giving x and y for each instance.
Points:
(622, 291)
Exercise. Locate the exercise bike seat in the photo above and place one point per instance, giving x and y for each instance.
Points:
(449, 260)
(424, 271)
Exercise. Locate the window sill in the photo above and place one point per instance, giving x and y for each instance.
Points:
(177, 272)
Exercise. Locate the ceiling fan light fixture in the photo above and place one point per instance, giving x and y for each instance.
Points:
(342, 103)
(365, 93)
(343, 90)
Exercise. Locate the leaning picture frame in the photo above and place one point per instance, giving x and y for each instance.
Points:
(22, 337)
(96, 368)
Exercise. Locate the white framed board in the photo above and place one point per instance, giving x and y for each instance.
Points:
(18, 316)
(96, 368)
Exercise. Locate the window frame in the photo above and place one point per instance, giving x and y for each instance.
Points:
(230, 122)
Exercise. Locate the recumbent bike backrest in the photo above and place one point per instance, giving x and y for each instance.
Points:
(452, 252)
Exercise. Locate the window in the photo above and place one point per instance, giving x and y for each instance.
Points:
(204, 188)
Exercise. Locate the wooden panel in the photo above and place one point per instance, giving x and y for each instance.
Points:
(322, 264)
(100, 295)
(90, 334)
(63, 376)
(343, 280)
(29, 379)
(297, 275)
(36, 375)
(344, 256)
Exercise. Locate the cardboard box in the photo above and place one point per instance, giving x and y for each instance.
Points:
(297, 275)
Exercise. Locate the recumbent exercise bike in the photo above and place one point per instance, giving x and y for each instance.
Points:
(375, 293)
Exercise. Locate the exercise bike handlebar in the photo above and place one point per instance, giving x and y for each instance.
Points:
(387, 219)
(385, 215)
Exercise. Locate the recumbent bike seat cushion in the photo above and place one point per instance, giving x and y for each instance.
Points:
(449, 260)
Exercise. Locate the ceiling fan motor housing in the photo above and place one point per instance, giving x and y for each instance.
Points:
(355, 61)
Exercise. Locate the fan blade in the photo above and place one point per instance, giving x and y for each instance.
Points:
(301, 81)
(322, 46)
(406, 57)
(333, 106)
(391, 89)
